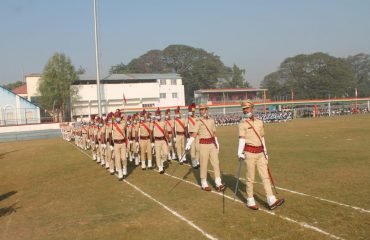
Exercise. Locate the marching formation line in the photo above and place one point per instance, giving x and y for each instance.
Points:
(178, 215)
(302, 224)
(312, 196)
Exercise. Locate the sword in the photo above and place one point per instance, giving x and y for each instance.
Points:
(270, 175)
(238, 176)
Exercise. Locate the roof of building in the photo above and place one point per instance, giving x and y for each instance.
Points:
(20, 90)
(217, 90)
(33, 75)
(24, 99)
(133, 76)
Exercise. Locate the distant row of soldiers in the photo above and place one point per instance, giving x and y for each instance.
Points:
(118, 139)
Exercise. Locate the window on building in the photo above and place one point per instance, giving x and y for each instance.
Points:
(173, 82)
(146, 105)
(162, 95)
(174, 95)
(162, 81)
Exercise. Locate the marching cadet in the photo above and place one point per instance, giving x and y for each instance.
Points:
(170, 131)
(109, 163)
(129, 138)
(93, 132)
(160, 135)
(252, 149)
(135, 145)
(180, 131)
(208, 146)
(84, 135)
(99, 142)
(120, 145)
(143, 136)
(194, 150)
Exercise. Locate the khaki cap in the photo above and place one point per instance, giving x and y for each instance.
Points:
(203, 106)
(247, 103)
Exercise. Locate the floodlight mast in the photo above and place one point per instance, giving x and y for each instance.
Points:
(97, 60)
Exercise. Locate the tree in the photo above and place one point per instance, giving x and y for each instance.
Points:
(55, 87)
(198, 68)
(311, 76)
(360, 65)
(11, 86)
(237, 79)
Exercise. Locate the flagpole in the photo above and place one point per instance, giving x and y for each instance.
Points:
(97, 60)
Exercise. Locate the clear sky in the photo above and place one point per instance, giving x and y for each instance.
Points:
(256, 35)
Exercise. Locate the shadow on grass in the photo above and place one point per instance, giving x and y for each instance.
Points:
(2, 155)
(6, 195)
(8, 210)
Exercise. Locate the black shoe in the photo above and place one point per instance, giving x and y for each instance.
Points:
(120, 179)
(112, 173)
(161, 172)
(181, 163)
(196, 167)
(143, 169)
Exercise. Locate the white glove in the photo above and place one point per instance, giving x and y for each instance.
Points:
(152, 145)
(96, 145)
(241, 148)
(130, 142)
(104, 146)
(174, 140)
(169, 144)
(217, 144)
(188, 143)
(111, 148)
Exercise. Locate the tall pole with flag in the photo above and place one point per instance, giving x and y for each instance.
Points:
(124, 100)
(97, 60)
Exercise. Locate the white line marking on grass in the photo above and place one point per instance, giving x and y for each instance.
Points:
(207, 235)
(302, 224)
(315, 197)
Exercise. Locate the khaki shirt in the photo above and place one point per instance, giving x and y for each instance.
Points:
(169, 126)
(191, 126)
(156, 131)
(201, 129)
(246, 131)
(178, 127)
(115, 133)
(108, 129)
(134, 130)
(143, 131)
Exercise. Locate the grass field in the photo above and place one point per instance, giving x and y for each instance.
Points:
(49, 189)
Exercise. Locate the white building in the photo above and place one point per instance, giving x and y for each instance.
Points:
(140, 91)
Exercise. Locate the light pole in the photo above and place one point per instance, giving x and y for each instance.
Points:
(97, 60)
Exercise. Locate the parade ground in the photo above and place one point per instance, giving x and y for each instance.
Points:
(50, 189)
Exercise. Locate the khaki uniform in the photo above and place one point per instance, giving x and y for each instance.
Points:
(254, 159)
(145, 143)
(134, 133)
(208, 149)
(108, 151)
(194, 150)
(99, 151)
(95, 142)
(129, 137)
(180, 138)
(161, 145)
(171, 145)
(84, 137)
(120, 148)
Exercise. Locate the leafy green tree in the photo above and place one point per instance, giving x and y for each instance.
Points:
(360, 65)
(198, 68)
(311, 76)
(55, 87)
(237, 79)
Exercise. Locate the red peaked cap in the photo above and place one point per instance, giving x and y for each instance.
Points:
(158, 112)
(177, 110)
(92, 117)
(128, 117)
(192, 107)
(168, 111)
(143, 113)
